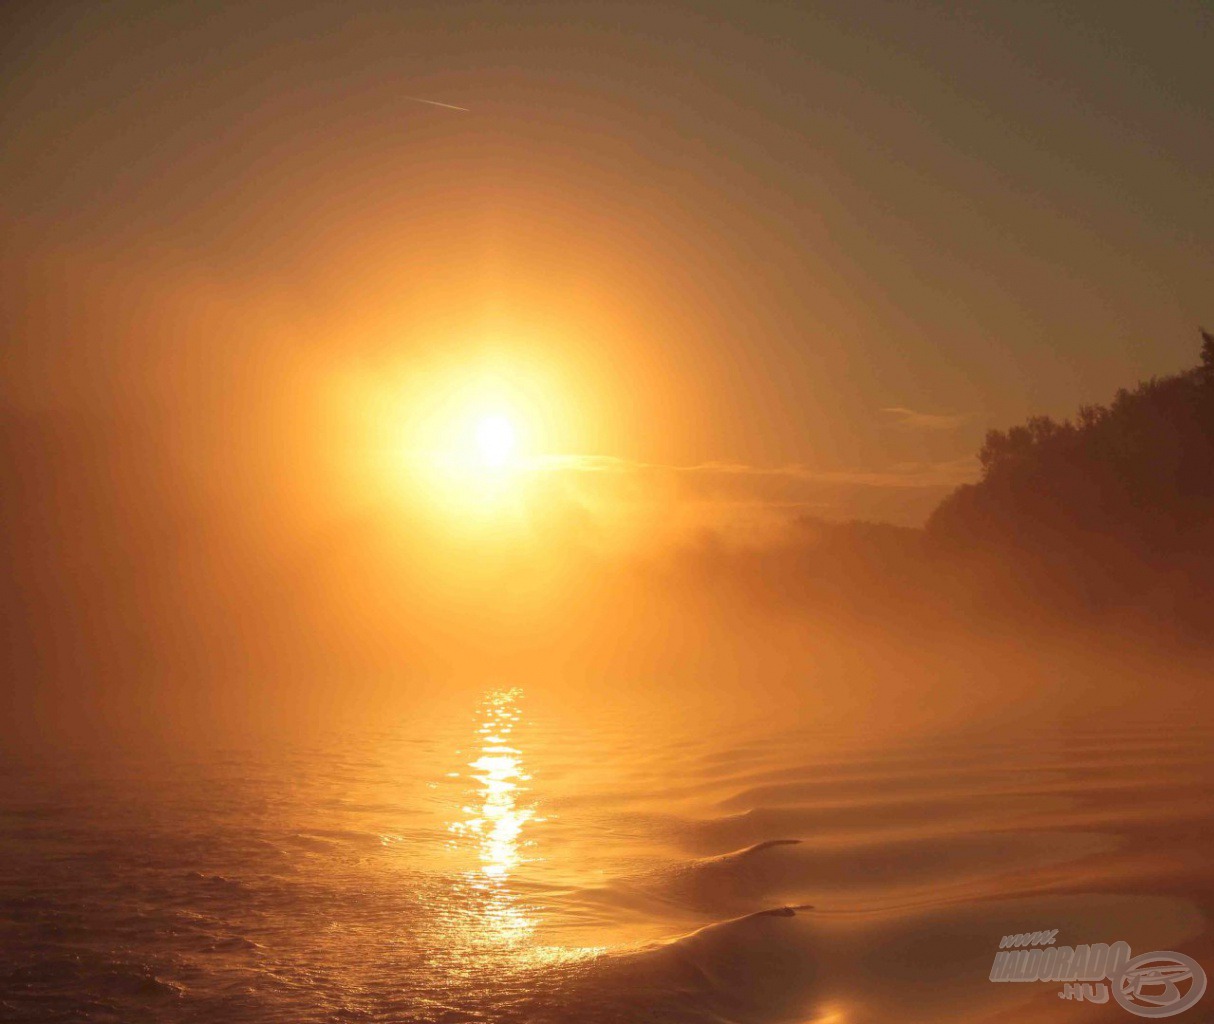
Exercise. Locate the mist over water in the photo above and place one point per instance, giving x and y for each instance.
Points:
(512, 512)
(520, 854)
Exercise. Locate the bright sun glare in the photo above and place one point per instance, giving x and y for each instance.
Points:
(496, 441)
(471, 438)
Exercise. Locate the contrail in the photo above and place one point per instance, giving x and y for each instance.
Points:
(436, 103)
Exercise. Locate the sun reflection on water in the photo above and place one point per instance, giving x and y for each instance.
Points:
(494, 820)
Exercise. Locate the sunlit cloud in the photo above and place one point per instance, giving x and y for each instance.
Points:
(732, 485)
(907, 474)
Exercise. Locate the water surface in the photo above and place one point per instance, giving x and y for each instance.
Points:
(507, 860)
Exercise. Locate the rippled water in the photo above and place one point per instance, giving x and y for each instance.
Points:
(502, 862)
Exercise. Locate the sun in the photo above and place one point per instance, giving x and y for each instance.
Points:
(472, 443)
(496, 441)
(472, 464)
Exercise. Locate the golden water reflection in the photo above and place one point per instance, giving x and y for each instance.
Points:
(494, 821)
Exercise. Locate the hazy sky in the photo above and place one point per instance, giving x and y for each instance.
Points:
(730, 263)
(848, 237)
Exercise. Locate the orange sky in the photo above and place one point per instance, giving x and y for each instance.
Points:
(747, 234)
(735, 263)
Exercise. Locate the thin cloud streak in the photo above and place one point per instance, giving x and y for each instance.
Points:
(727, 496)
(926, 420)
(946, 473)
(438, 103)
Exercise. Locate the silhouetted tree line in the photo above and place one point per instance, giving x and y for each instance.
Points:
(1104, 519)
(1110, 512)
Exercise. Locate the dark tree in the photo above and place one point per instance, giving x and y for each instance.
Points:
(1114, 508)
